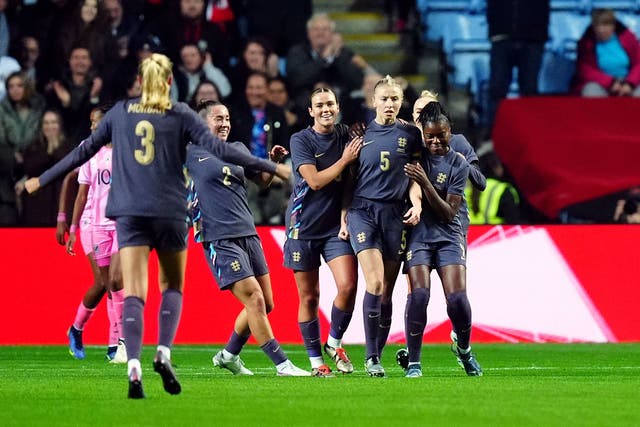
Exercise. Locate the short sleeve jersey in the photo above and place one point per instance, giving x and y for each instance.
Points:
(222, 210)
(448, 174)
(315, 214)
(96, 173)
(385, 151)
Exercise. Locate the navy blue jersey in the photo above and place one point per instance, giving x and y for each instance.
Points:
(448, 174)
(315, 214)
(148, 156)
(220, 196)
(385, 151)
(459, 144)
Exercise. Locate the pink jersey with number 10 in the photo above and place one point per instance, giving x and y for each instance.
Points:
(97, 174)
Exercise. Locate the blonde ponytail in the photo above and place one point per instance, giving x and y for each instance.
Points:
(155, 73)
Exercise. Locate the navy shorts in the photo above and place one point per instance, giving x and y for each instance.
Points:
(378, 225)
(161, 234)
(304, 255)
(436, 255)
(231, 260)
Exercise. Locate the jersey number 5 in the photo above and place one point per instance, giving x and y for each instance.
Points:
(384, 160)
(145, 129)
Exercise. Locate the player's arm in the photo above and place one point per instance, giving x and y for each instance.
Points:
(349, 179)
(277, 154)
(69, 187)
(198, 132)
(319, 179)
(445, 210)
(477, 178)
(78, 208)
(412, 217)
(79, 155)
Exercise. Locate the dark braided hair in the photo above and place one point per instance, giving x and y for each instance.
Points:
(433, 112)
(204, 107)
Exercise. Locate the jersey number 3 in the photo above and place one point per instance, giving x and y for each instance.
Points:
(145, 129)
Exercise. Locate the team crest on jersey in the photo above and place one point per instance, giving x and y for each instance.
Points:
(235, 265)
(402, 144)
(362, 236)
(296, 256)
(441, 178)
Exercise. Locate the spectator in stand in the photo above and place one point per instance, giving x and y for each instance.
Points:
(499, 203)
(196, 66)
(627, 209)
(257, 55)
(518, 30)
(261, 126)
(28, 55)
(188, 25)
(205, 91)
(20, 112)
(87, 26)
(398, 14)
(50, 146)
(77, 93)
(5, 32)
(322, 58)
(297, 119)
(280, 21)
(8, 164)
(608, 61)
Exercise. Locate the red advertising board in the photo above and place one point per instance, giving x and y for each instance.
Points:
(540, 284)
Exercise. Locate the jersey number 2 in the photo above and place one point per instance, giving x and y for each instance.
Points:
(145, 129)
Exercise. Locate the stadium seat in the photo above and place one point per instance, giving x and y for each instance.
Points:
(626, 5)
(565, 26)
(469, 63)
(556, 71)
(631, 20)
(579, 6)
(452, 26)
(469, 6)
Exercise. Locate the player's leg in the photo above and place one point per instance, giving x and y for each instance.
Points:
(249, 293)
(453, 279)
(416, 316)
(308, 285)
(345, 274)
(171, 269)
(85, 310)
(117, 302)
(134, 261)
(391, 269)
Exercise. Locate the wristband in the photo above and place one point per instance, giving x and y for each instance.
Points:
(62, 217)
(73, 228)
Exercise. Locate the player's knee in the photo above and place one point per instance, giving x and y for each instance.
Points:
(457, 300)
(421, 296)
(310, 300)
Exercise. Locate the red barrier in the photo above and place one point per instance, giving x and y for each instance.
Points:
(43, 287)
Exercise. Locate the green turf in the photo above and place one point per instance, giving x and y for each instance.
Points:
(524, 384)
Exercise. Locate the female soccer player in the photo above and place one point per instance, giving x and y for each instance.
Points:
(376, 219)
(95, 176)
(461, 146)
(320, 155)
(148, 202)
(438, 242)
(231, 243)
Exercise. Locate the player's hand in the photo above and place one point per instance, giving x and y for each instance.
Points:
(416, 173)
(278, 153)
(283, 171)
(357, 129)
(61, 231)
(32, 185)
(412, 217)
(71, 243)
(343, 234)
(352, 150)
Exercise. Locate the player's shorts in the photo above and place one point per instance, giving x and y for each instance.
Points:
(162, 234)
(377, 225)
(304, 255)
(231, 260)
(436, 255)
(85, 236)
(104, 245)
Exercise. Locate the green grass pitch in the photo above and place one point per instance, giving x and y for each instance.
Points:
(524, 385)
